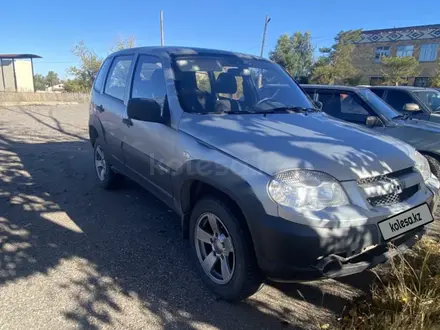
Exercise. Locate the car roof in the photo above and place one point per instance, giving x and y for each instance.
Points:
(176, 50)
(336, 87)
(407, 88)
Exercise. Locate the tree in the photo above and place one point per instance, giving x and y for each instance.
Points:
(395, 70)
(52, 78)
(90, 62)
(335, 65)
(39, 82)
(435, 81)
(123, 43)
(84, 75)
(294, 53)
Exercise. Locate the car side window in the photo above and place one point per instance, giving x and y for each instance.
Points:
(149, 79)
(100, 78)
(343, 105)
(378, 92)
(397, 99)
(118, 77)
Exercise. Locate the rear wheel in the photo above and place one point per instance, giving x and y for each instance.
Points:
(107, 178)
(223, 251)
(434, 165)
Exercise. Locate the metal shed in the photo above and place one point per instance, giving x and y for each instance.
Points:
(17, 72)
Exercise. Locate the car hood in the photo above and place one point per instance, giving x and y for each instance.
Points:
(421, 134)
(434, 117)
(277, 142)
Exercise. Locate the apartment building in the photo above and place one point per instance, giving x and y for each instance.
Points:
(422, 42)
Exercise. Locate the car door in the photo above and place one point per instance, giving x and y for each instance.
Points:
(344, 105)
(398, 98)
(149, 148)
(111, 106)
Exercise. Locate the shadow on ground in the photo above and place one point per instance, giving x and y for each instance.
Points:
(125, 246)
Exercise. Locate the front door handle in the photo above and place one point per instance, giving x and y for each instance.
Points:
(127, 121)
(100, 108)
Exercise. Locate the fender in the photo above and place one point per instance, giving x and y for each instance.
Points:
(96, 123)
(221, 178)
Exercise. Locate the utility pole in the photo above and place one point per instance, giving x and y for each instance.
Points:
(162, 42)
(266, 21)
(260, 76)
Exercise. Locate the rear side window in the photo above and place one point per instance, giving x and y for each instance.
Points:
(100, 78)
(118, 77)
(397, 99)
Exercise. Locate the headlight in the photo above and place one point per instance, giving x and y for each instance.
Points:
(306, 190)
(422, 165)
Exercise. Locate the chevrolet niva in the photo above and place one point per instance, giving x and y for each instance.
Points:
(264, 186)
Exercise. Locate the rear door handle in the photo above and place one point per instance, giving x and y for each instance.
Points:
(100, 108)
(127, 121)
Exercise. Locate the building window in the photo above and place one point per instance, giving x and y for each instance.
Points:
(422, 82)
(428, 52)
(405, 51)
(374, 81)
(381, 52)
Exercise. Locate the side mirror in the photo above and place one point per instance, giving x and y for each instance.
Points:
(412, 107)
(372, 121)
(318, 105)
(145, 110)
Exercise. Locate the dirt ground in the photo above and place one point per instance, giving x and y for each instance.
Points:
(75, 256)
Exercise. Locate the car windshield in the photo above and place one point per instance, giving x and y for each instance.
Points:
(378, 104)
(236, 84)
(431, 98)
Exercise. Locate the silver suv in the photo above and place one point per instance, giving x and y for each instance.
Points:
(264, 186)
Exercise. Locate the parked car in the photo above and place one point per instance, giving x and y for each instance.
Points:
(263, 186)
(362, 106)
(415, 102)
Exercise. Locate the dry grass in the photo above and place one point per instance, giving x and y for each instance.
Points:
(406, 297)
(42, 98)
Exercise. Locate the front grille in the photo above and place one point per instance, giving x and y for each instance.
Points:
(393, 198)
(404, 181)
(393, 175)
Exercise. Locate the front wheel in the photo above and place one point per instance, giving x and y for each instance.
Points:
(223, 251)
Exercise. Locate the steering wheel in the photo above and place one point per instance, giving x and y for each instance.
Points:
(266, 99)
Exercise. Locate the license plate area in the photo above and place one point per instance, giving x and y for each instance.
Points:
(405, 222)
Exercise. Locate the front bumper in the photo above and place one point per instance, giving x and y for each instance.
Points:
(289, 251)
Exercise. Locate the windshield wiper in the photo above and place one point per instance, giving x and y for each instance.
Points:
(289, 110)
(403, 117)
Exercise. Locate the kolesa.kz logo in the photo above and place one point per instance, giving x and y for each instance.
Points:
(400, 224)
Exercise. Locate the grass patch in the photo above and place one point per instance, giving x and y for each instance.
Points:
(406, 297)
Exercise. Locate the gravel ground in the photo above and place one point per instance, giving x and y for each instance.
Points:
(75, 256)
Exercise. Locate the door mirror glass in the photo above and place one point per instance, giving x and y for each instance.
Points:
(318, 105)
(412, 107)
(145, 110)
(372, 121)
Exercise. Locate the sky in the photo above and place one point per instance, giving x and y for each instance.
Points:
(50, 28)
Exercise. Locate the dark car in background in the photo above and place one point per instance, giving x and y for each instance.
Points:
(416, 102)
(361, 106)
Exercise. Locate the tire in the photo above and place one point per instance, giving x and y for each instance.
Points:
(245, 277)
(107, 178)
(434, 165)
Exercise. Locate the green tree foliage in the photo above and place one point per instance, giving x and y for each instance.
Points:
(335, 65)
(435, 81)
(89, 63)
(294, 53)
(52, 78)
(84, 74)
(39, 82)
(395, 70)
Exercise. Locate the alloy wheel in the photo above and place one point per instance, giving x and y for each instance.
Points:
(214, 247)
